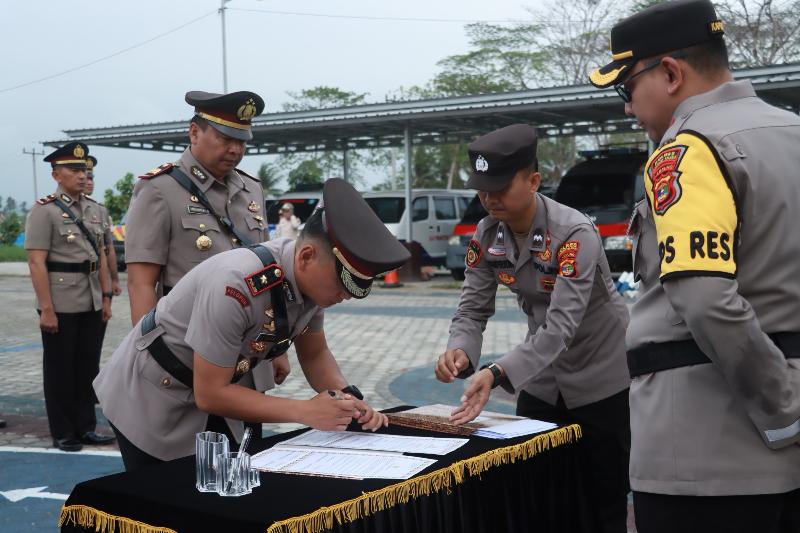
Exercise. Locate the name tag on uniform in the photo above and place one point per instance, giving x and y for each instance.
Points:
(196, 210)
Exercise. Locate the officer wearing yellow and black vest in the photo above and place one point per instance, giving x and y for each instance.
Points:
(185, 212)
(64, 241)
(571, 365)
(182, 368)
(715, 335)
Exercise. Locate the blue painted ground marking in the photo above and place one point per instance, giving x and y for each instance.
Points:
(58, 471)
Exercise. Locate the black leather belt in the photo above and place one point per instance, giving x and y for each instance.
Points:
(174, 366)
(87, 267)
(656, 357)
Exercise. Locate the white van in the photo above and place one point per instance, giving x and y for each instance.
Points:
(435, 214)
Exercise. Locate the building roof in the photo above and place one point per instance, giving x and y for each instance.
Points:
(557, 111)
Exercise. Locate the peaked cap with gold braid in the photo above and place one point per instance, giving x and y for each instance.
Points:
(230, 114)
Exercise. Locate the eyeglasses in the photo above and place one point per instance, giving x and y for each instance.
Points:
(625, 93)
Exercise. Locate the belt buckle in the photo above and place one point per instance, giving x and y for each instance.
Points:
(92, 267)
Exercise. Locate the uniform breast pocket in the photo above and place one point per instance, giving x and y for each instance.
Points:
(69, 234)
(203, 230)
(256, 227)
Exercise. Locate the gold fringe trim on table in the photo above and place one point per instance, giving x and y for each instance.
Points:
(100, 522)
(443, 479)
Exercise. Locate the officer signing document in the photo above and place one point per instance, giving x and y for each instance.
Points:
(186, 366)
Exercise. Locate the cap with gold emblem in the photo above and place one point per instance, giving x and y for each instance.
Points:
(91, 162)
(230, 114)
(72, 155)
(497, 156)
(362, 246)
(659, 29)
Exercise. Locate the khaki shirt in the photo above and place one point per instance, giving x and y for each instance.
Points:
(575, 344)
(48, 228)
(164, 223)
(717, 256)
(210, 311)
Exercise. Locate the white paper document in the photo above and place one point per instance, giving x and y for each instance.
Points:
(518, 428)
(350, 464)
(372, 441)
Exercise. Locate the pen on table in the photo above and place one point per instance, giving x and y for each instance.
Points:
(338, 396)
(242, 448)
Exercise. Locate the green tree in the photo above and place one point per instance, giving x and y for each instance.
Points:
(308, 172)
(11, 205)
(331, 161)
(10, 228)
(117, 203)
(269, 175)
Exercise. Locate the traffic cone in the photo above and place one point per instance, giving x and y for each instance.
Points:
(391, 280)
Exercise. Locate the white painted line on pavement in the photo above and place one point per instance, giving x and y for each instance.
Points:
(20, 449)
(33, 492)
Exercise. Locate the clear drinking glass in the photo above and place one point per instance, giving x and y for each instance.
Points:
(255, 478)
(208, 445)
(233, 473)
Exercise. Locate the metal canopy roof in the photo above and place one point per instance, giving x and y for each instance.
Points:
(560, 111)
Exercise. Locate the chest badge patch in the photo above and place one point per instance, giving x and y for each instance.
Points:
(665, 177)
(568, 259)
(506, 279)
(473, 253)
(203, 243)
(547, 283)
(545, 255)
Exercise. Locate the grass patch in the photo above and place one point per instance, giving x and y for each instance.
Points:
(9, 252)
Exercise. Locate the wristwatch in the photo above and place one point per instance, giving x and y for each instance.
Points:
(353, 391)
(494, 368)
(110, 295)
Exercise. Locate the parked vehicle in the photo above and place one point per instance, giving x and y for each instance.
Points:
(435, 212)
(465, 229)
(304, 202)
(606, 186)
(118, 241)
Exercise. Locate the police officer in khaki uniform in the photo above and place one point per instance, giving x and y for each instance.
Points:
(715, 335)
(571, 365)
(186, 212)
(111, 254)
(181, 368)
(64, 240)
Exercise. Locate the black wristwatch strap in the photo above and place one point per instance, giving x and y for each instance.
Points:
(495, 370)
(353, 391)
(109, 294)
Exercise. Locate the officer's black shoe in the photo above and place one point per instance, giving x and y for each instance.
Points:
(2, 424)
(90, 437)
(67, 445)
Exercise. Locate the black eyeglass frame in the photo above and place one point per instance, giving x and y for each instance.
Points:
(625, 93)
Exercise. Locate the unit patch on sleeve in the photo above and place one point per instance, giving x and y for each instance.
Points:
(696, 220)
(663, 172)
(473, 253)
(568, 259)
(237, 295)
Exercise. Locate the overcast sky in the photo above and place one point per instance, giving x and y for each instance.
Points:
(267, 53)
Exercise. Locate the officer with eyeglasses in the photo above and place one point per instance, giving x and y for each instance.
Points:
(714, 338)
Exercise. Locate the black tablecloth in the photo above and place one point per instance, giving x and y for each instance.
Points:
(530, 483)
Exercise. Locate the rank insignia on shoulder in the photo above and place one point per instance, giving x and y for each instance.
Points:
(237, 295)
(473, 253)
(506, 279)
(162, 169)
(264, 279)
(246, 175)
(47, 199)
(568, 259)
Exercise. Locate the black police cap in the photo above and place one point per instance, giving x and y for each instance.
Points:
(497, 156)
(230, 114)
(72, 155)
(659, 29)
(361, 244)
(91, 162)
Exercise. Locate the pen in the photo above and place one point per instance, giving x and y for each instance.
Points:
(242, 448)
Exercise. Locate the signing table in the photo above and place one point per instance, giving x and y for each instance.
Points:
(529, 483)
